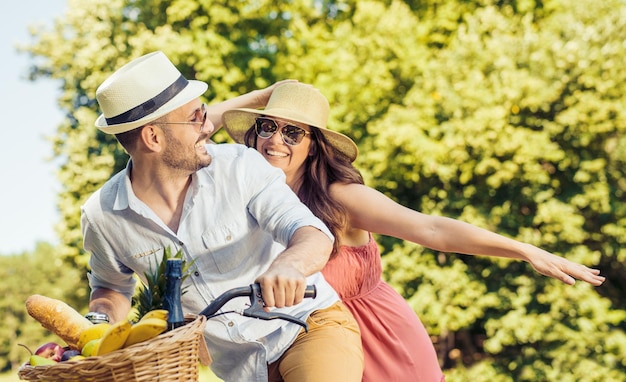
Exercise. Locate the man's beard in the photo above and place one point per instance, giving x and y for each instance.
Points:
(179, 157)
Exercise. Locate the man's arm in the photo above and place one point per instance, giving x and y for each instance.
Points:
(283, 284)
(110, 302)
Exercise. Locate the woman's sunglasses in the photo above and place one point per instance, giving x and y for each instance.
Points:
(292, 135)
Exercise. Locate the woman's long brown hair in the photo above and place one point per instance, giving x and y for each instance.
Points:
(323, 167)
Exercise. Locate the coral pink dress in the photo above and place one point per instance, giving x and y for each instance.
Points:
(396, 345)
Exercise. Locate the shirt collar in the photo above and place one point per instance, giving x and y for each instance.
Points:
(125, 190)
(125, 197)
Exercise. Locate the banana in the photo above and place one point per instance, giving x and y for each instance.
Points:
(114, 337)
(92, 333)
(91, 348)
(145, 329)
(156, 313)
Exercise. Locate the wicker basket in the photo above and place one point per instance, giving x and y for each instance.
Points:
(171, 356)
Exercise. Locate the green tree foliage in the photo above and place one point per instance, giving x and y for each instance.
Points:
(216, 41)
(506, 114)
(40, 272)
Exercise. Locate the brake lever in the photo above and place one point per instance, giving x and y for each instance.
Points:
(256, 309)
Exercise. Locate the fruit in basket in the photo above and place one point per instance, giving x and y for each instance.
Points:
(150, 296)
(50, 350)
(155, 313)
(70, 355)
(58, 317)
(91, 348)
(114, 337)
(37, 360)
(91, 333)
(145, 329)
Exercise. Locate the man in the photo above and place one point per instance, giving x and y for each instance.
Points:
(228, 210)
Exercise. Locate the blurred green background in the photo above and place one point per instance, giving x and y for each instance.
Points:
(506, 114)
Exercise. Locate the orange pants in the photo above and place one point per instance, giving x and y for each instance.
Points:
(330, 351)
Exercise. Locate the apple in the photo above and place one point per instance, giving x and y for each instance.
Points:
(50, 350)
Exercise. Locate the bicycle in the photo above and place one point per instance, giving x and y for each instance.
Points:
(257, 305)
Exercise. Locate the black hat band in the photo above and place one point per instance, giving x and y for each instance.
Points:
(151, 105)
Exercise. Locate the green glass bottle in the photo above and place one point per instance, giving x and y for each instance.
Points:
(171, 300)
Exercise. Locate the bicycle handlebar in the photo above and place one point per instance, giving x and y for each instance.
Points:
(256, 309)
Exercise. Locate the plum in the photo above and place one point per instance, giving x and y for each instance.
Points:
(68, 354)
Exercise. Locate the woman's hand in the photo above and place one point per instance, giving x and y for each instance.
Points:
(561, 268)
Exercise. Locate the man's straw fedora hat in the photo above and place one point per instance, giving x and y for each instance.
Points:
(296, 102)
(141, 91)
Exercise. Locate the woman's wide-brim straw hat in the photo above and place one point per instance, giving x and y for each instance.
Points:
(297, 102)
(141, 91)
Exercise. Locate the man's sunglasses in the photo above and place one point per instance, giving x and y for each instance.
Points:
(199, 121)
(292, 135)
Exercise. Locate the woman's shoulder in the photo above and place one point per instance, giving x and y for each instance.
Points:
(342, 186)
(347, 191)
(352, 196)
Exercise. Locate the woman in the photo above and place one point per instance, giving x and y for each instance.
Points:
(318, 166)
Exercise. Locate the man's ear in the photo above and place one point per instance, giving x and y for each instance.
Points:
(152, 137)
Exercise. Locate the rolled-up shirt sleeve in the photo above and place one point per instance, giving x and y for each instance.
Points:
(105, 270)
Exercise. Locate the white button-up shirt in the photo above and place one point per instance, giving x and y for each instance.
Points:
(238, 215)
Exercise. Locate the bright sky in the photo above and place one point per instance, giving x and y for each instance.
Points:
(28, 113)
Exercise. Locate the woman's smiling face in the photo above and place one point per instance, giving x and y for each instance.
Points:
(289, 158)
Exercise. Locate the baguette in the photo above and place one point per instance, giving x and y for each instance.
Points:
(57, 317)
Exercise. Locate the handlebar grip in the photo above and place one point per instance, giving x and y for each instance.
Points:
(253, 292)
(310, 291)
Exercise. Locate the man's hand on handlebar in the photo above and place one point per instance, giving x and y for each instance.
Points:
(282, 286)
(257, 305)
